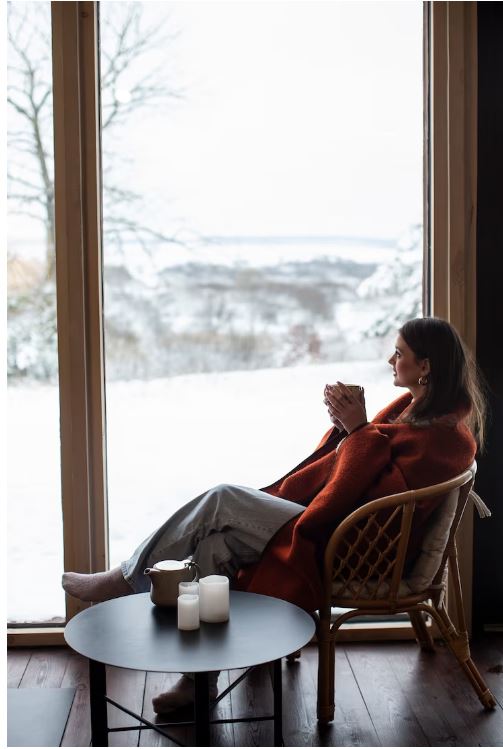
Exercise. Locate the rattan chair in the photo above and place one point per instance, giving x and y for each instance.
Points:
(364, 572)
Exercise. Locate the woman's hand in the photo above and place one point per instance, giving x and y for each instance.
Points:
(333, 418)
(345, 410)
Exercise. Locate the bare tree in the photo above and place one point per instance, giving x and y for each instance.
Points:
(125, 90)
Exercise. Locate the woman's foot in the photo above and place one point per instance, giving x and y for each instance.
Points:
(181, 695)
(98, 587)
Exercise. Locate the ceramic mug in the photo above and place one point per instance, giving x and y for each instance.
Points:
(357, 391)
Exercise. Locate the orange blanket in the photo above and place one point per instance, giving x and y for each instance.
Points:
(381, 458)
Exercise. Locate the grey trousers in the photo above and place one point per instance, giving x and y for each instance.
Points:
(223, 529)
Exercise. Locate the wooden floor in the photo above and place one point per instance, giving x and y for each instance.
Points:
(387, 694)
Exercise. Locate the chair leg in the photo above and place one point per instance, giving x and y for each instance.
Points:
(326, 671)
(422, 632)
(459, 646)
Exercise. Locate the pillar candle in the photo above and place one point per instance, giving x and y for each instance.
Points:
(214, 598)
(188, 611)
(191, 587)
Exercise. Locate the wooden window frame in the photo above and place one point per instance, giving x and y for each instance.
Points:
(79, 301)
(450, 99)
(450, 258)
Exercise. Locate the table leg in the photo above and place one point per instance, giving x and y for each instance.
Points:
(202, 709)
(97, 694)
(278, 703)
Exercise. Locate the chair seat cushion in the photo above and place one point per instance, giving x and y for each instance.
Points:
(371, 589)
(434, 543)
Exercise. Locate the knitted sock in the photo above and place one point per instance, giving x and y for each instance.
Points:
(100, 586)
(182, 694)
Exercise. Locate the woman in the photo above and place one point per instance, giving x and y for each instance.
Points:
(272, 541)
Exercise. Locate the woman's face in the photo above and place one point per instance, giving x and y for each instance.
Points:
(406, 368)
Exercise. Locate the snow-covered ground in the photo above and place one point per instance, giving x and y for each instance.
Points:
(168, 440)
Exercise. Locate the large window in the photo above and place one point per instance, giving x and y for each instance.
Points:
(35, 539)
(262, 233)
(235, 238)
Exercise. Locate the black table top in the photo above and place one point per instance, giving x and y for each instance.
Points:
(130, 632)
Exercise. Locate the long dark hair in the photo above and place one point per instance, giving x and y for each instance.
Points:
(453, 382)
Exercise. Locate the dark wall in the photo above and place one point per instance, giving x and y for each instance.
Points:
(488, 539)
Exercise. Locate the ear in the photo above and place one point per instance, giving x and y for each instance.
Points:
(425, 366)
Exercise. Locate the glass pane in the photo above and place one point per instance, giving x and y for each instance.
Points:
(262, 216)
(35, 536)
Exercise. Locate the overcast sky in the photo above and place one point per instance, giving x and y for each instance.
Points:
(299, 118)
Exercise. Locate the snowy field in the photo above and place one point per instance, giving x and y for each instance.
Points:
(168, 440)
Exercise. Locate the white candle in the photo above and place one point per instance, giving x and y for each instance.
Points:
(191, 587)
(214, 598)
(188, 611)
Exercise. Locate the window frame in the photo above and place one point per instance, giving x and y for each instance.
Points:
(452, 255)
(450, 110)
(79, 301)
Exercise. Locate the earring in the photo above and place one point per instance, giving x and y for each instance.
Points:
(423, 380)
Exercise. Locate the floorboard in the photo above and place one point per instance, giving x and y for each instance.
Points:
(352, 724)
(224, 734)
(126, 687)
(477, 727)
(389, 694)
(253, 696)
(388, 705)
(78, 727)
(488, 658)
(157, 684)
(483, 727)
(46, 668)
(16, 666)
(299, 695)
(436, 714)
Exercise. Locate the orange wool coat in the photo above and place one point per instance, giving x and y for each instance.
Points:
(378, 459)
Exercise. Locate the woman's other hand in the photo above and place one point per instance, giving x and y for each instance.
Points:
(346, 411)
(333, 418)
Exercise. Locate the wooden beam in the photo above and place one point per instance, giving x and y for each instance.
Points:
(79, 284)
(35, 637)
(453, 168)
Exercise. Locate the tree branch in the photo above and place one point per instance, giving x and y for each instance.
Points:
(18, 107)
(24, 182)
(137, 229)
(24, 198)
(24, 212)
(29, 96)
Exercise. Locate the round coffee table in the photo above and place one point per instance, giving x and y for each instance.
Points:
(130, 632)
